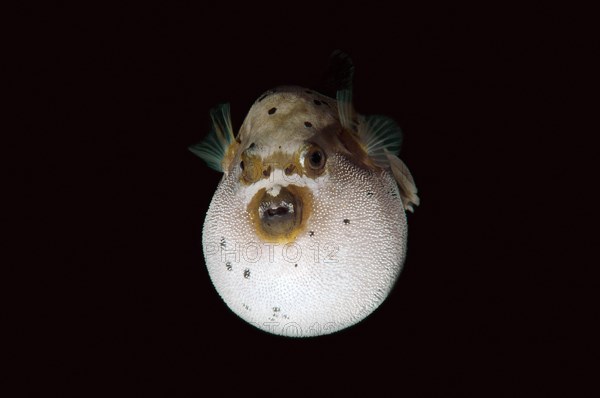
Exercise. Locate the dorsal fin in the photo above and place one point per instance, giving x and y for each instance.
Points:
(214, 147)
(346, 110)
(340, 73)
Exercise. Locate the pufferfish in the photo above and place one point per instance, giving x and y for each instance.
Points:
(306, 233)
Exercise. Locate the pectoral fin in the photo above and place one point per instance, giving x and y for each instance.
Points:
(214, 148)
(380, 135)
(406, 183)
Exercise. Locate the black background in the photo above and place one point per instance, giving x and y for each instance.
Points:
(118, 295)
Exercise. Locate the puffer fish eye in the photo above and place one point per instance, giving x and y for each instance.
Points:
(315, 158)
(242, 165)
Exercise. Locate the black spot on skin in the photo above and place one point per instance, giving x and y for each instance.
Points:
(223, 242)
(272, 111)
(246, 273)
(228, 265)
(295, 265)
(369, 193)
(311, 233)
(307, 124)
(317, 102)
(279, 146)
(346, 221)
(276, 309)
(252, 145)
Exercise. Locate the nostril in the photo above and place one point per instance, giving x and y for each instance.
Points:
(279, 211)
(289, 169)
(267, 172)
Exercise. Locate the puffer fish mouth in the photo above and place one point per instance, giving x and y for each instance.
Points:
(279, 213)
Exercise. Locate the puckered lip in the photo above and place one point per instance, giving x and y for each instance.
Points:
(280, 212)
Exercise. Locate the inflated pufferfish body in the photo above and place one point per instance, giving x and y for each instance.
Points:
(306, 233)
